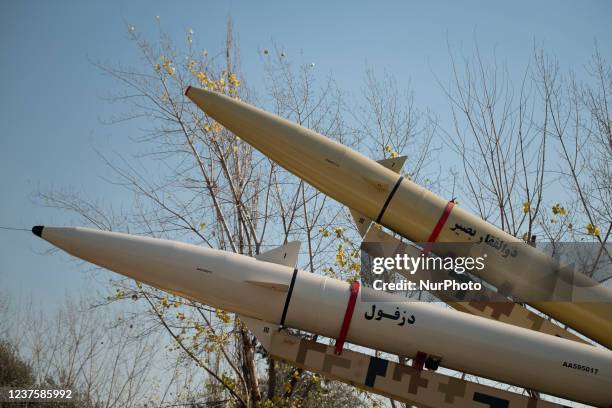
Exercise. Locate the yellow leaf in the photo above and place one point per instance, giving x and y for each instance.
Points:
(526, 207)
(593, 230)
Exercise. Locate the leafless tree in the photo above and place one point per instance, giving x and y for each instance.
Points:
(580, 124)
(500, 140)
(204, 185)
(90, 351)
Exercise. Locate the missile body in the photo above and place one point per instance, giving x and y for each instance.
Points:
(279, 293)
(424, 389)
(500, 308)
(387, 198)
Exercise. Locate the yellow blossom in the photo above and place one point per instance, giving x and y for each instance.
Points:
(391, 152)
(557, 209)
(201, 76)
(593, 230)
(526, 207)
(167, 64)
(233, 80)
(222, 315)
(341, 256)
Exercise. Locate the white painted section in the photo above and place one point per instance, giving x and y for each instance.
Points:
(468, 343)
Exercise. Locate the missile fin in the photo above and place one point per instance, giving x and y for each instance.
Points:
(262, 330)
(361, 221)
(394, 163)
(281, 287)
(378, 235)
(284, 255)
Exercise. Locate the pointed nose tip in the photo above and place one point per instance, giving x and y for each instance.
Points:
(37, 230)
(203, 97)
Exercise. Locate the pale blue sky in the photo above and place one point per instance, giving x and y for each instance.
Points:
(52, 97)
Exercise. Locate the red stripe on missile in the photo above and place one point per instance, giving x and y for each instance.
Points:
(187, 90)
(348, 316)
(438, 228)
(419, 361)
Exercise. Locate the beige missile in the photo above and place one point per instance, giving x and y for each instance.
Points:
(377, 192)
(269, 288)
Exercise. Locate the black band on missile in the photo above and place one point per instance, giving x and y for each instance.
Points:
(384, 208)
(288, 299)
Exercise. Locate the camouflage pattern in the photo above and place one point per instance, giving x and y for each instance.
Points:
(423, 388)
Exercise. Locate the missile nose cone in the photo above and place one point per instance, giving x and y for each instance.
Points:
(205, 98)
(37, 230)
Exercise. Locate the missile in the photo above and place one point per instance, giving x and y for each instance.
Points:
(498, 307)
(378, 193)
(394, 380)
(271, 289)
